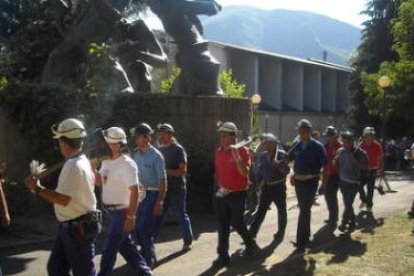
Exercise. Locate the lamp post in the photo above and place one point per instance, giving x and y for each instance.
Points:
(384, 82)
(256, 99)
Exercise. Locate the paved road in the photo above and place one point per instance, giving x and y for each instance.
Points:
(32, 260)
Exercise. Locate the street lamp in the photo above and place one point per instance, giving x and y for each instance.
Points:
(384, 82)
(256, 99)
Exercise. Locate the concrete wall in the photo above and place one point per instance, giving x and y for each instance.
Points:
(292, 85)
(313, 88)
(245, 68)
(270, 82)
(329, 90)
(343, 97)
(287, 83)
(220, 54)
(283, 124)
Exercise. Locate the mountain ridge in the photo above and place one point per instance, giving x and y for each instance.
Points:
(294, 33)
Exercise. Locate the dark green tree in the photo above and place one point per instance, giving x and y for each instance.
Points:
(375, 47)
(400, 95)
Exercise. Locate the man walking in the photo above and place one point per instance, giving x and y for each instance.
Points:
(352, 161)
(176, 198)
(375, 167)
(119, 180)
(331, 186)
(153, 177)
(272, 172)
(74, 202)
(231, 176)
(310, 162)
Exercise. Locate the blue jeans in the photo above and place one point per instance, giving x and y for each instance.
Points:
(120, 241)
(269, 194)
(71, 253)
(176, 202)
(305, 192)
(145, 227)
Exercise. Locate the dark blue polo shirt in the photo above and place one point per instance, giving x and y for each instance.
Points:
(309, 158)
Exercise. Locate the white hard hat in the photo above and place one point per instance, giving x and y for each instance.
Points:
(70, 128)
(228, 127)
(115, 135)
(269, 137)
(368, 130)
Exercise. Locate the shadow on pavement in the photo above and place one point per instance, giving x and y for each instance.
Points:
(295, 264)
(241, 265)
(14, 265)
(201, 223)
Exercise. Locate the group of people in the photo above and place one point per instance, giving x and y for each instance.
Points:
(140, 188)
(341, 164)
(138, 191)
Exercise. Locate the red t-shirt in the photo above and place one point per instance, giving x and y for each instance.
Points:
(374, 152)
(227, 174)
(331, 149)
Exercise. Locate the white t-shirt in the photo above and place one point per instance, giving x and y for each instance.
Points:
(118, 176)
(76, 180)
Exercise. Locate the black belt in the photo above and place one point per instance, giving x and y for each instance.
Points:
(114, 207)
(94, 216)
(276, 182)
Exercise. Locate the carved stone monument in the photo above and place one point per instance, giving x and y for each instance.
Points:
(198, 69)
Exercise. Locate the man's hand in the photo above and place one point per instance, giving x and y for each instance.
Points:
(31, 182)
(129, 224)
(158, 208)
(292, 180)
(5, 220)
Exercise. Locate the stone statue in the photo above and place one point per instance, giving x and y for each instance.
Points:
(198, 69)
(133, 43)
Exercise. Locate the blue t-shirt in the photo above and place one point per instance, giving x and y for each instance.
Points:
(269, 171)
(151, 167)
(309, 158)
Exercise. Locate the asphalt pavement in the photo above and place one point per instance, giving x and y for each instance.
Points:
(23, 256)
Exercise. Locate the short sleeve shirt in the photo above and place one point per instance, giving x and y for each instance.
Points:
(309, 158)
(348, 170)
(174, 156)
(374, 152)
(151, 167)
(118, 176)
(227, 173)
(77, 181)
(269, 171)
(331, 150)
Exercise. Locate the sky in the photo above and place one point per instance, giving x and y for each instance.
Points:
(343, 10)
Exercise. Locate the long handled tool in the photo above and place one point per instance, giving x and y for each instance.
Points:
(96, 149)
